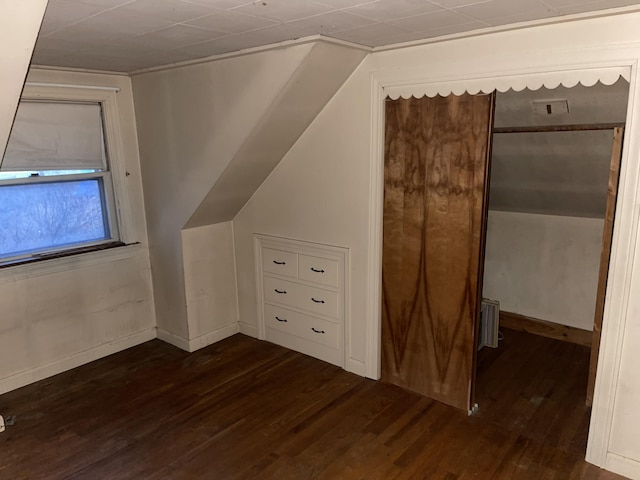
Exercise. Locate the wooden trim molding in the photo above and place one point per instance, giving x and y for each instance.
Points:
(544, 328)
(607, 237)
(587, 127)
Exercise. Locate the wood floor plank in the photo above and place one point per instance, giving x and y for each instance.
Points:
(245, 409)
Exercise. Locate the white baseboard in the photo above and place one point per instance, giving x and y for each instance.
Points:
(172, 339)
(212, 337)
(356, 366)
(248, 329)
(62, 365)
(623, 466)
(193, 344)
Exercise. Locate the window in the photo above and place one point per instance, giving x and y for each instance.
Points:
(56, 191)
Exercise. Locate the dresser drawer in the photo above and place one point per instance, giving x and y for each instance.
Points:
(313, 299)
(301, 325)
(318, 270)
(280, 262)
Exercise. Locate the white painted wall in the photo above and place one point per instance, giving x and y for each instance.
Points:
(191, 121)
(315, 80)
(323, 190)
(210, 134)
(624, 449)
(19, 25)
(210, 283)
(544, 266)
(319, 193)
(65, 312)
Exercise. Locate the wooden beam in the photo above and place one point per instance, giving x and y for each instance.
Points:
(607, 235)
(522, 323)
(559, 128)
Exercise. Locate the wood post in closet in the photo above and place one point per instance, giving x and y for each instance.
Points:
(607, 235)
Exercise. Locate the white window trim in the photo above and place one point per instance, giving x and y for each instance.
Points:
(120, 218)
(114, 181)
(52, 266)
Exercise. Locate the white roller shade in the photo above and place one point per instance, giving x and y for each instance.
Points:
(56, 136)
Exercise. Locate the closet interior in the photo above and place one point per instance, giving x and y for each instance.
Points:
(498, 216)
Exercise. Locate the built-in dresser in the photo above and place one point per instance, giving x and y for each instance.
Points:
(301, 296)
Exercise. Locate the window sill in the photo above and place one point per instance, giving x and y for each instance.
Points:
(65, 261)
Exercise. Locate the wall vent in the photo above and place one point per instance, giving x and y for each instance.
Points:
(550, 107)
(489, 324)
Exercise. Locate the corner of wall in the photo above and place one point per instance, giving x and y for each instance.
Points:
(210, 283)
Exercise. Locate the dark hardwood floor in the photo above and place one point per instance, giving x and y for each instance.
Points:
(245, 409)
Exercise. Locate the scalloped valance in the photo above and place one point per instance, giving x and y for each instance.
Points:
(586, 77)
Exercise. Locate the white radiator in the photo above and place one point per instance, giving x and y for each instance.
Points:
(489, 324)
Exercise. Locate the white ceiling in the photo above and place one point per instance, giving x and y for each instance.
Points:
(129, 35)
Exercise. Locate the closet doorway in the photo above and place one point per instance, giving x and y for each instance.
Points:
(431, 293)
(553, 189)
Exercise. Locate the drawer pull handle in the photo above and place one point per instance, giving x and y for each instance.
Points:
(279, 291)
(279, 263)
(316, 301)
(281, 319)
(317, 331)
(317, 271)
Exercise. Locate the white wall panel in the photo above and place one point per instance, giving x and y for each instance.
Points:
(625, 432)
(191, 122)
(544, 266)
(210, 279)
(210, 134)
(318, 193)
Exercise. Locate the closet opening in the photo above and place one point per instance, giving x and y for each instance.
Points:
(552, 194)
(505, 200)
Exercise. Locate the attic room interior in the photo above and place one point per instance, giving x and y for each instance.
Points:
(300, 215)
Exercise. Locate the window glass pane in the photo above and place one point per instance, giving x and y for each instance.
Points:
(39, 216)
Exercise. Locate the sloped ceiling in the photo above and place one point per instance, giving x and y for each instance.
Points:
(209, 134)
(308, 90)
(558, 173)
(19, 24)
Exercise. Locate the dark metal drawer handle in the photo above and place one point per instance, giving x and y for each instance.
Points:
(317, 271)
(316, 301)
(279, 263)
(317, 331)
(279, 291)
(281, 319)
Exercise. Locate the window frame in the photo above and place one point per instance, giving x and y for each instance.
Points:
(112, 180)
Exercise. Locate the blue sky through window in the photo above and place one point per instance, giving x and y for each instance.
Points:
(40, 216)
